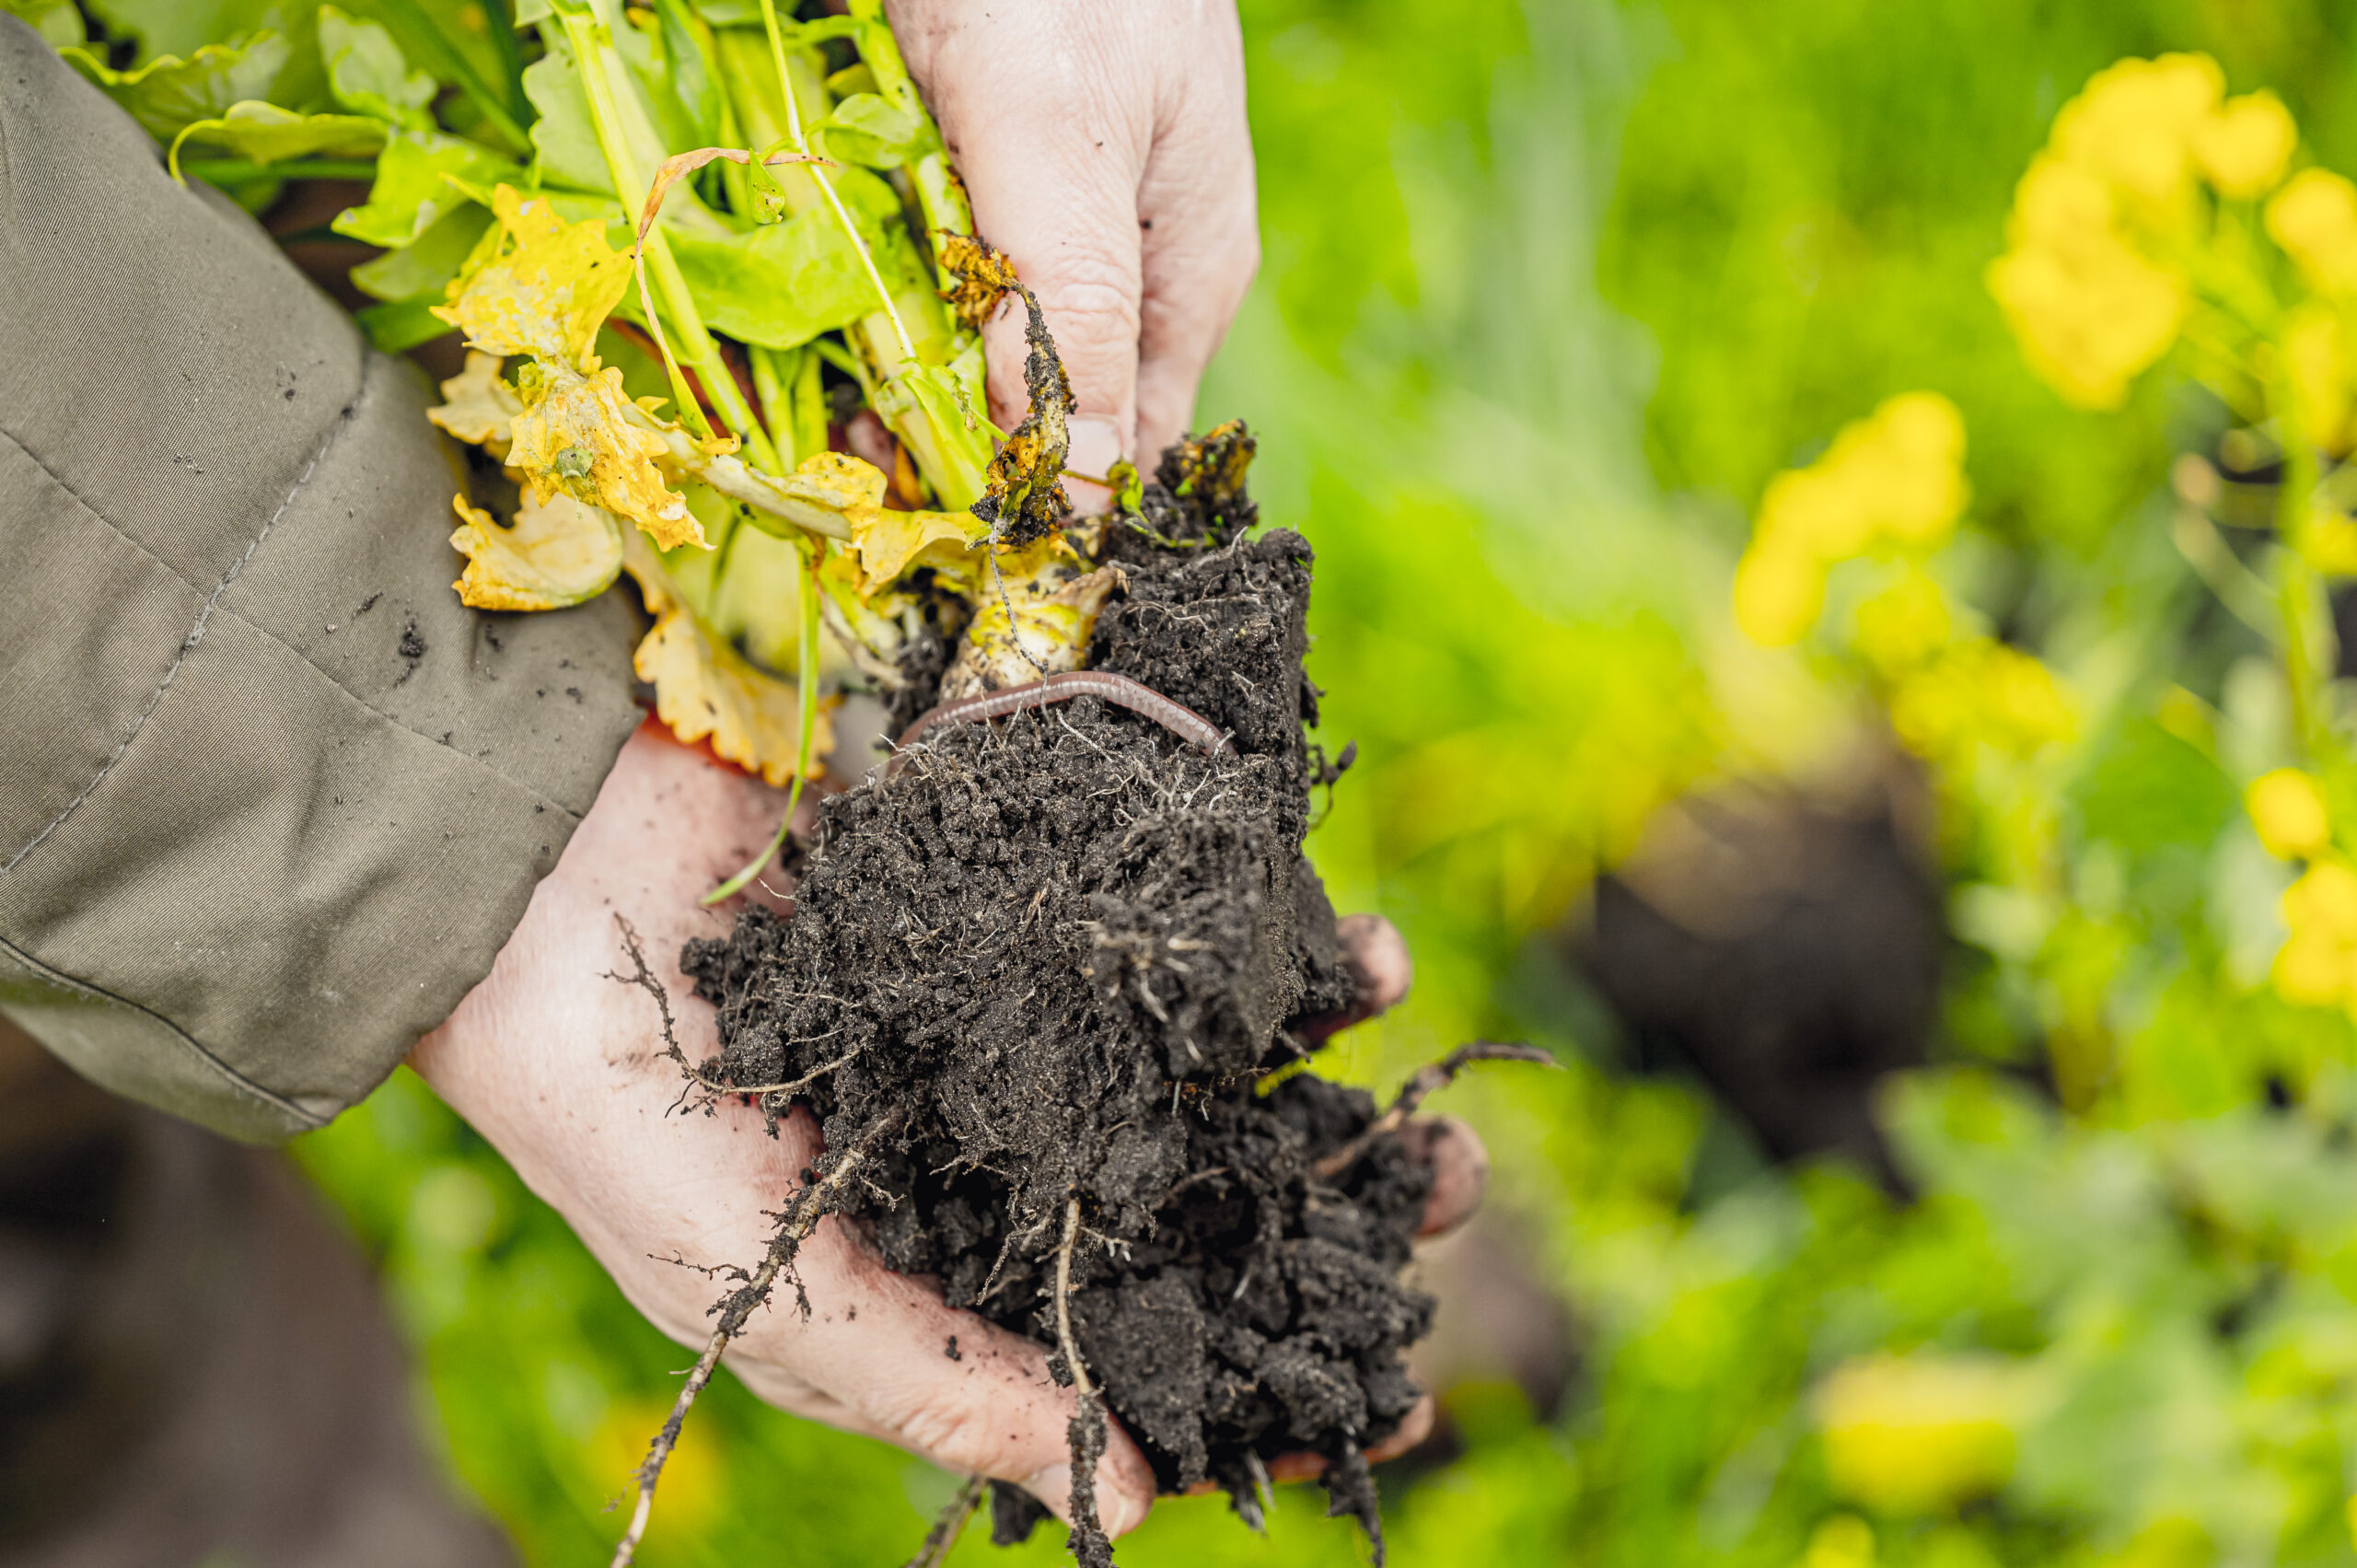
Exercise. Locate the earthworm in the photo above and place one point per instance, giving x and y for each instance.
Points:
(1177, 717)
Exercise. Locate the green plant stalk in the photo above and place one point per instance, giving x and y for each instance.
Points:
(773, 380)
(2296, 582)
(632, 183)
(806, 676)
(450, 62)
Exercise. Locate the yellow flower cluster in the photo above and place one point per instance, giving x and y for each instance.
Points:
(2313, 218)
(1913, 1434)
(1895, 479)
(1977, 692)
(2318, 964)
(2089, 280)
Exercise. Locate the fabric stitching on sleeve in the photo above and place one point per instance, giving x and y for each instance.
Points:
(236, 1079)
(196, 632)
(75, 496)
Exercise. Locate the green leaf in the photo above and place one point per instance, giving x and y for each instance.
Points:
(181, 28)
(170, 94)
(865, 129)
(414, 189)
(564, 135)
(421, 268)
(777, 285)
(263, 132)
(57, 22)
(367, 74)
(403, 325)
(689, 71)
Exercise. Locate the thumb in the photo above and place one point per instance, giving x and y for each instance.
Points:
(1053, 154)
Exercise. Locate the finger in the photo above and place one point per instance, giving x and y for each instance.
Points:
(877, 1347)
(1381, 973)
(1053, 142)
(1460, 1167)
(1414, 1427)
(1199, 222)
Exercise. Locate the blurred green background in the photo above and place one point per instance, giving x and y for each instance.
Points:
(1551, 291)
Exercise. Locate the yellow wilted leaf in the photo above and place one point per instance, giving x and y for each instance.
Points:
(704, 688)
(891, 542)
(478, 407)
(2288, 809)
(543, 288)
(1039, 625)
(1918, 1434)
(981, 276)
(559, 553)
(2243, 147)
(583, 435)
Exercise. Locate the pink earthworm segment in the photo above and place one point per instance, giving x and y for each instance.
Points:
(1177, 717)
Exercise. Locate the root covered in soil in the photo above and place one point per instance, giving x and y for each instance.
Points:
(1043, 979)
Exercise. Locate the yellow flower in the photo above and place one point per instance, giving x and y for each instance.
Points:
(2313, 217)
(2132, 122)
(2329, 542)
(2316, 357)
(1778, 593)
(2288, 809)
(1842, 1542)
(2090, 313)
(1905, 624)
(1920, 1434)
(2243, 147)
(2317, 966)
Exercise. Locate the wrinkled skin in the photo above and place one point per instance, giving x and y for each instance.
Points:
(558, 1068)
(1106, 150)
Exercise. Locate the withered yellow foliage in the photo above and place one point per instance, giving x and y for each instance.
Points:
(559, 553)
(583, 436)
(705, 688)
(478, 407)
(543, 287)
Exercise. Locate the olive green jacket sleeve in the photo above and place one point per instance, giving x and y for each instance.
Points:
(271, 798)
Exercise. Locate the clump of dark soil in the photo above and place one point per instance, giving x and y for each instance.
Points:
(1057, 960)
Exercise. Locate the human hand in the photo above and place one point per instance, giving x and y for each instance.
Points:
(560, 1069)
(1106, 150)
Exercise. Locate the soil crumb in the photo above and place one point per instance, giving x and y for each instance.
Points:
(1085, 957)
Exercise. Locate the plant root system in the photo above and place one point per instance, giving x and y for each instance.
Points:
(1047, 984)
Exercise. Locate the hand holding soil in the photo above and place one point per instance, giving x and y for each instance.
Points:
(559, 1068)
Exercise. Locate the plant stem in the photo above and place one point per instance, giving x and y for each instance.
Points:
(631, 183)
(805, 676)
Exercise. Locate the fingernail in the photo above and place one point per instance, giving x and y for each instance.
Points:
(1096, 445)
(1117, 1512)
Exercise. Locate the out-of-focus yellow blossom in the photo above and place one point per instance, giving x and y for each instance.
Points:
(2317, 362)
(1903, 626)
(1842, 1542)
(2288, 809)
(2328, 543)
(2317, 964)
(1895, 477)
(1980, 693)
(2091, 312)
(1913, 1435)
(2313, 218)
(694, 1476)
(2134, 122)
(2243, 148)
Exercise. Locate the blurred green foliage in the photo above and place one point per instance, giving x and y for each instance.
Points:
(1551, 292)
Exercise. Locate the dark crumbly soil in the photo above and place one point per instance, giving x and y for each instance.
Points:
(1076, 947)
